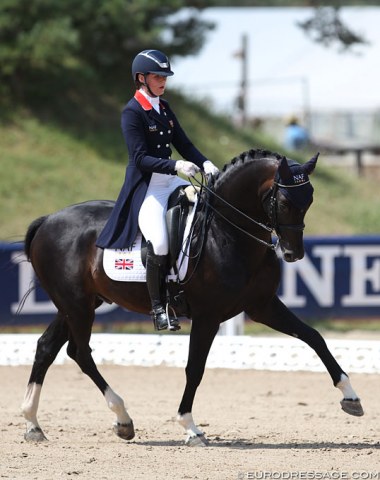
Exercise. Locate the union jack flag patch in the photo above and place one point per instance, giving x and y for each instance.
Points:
(123, 264)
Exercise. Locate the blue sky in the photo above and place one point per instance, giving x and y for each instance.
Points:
(286, 70)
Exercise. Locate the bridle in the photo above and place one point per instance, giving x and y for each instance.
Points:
(269, 197)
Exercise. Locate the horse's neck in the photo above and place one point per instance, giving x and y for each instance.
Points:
(242, 185)
(231, 235)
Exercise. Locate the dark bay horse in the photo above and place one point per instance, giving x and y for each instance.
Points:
(236, 270)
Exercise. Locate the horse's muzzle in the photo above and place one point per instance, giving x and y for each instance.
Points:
(291, 256)
(291, 242)
(292, 249)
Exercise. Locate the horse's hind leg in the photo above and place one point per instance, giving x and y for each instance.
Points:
(48, 346)
(280, 318)
(80, 324)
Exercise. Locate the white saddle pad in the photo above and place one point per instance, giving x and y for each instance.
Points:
(125, 265)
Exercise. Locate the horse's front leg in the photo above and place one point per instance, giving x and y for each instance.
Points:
(201, 338)
(280, 318)
(350, 402)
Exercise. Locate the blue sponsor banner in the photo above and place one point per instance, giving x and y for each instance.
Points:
(339, 277)
(19, 307)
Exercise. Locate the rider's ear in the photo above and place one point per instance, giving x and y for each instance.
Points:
(309, 166)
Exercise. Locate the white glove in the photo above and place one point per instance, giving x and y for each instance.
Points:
(186, 168)
(209, 167)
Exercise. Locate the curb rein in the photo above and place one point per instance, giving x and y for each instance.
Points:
(270, 196)
(268, 228)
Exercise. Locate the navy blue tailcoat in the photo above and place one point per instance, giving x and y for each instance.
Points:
(148, 135)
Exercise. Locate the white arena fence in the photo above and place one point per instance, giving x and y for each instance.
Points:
(237, 352)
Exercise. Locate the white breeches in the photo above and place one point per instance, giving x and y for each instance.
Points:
(152, 213)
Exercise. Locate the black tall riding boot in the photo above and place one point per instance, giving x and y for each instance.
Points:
(155, 279)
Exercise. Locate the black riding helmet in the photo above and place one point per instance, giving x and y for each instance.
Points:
(151, 61)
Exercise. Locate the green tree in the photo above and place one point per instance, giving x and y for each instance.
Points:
(45, 44)
(326, 26)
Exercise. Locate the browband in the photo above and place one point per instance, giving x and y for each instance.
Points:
(291, 186)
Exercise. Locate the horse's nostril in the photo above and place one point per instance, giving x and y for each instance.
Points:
(289, 257)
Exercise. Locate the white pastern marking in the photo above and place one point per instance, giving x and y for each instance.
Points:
(188, 424)
(345, 387)
(116, 404)
(29, 406)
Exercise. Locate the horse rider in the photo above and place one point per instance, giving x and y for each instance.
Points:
(149, 127)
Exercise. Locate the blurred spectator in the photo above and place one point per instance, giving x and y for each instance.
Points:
(296, 136)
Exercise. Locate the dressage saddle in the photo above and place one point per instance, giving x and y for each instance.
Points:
(180, 203)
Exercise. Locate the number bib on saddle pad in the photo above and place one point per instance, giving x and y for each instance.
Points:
(125, 265)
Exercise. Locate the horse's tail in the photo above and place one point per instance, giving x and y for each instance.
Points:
(32, 230)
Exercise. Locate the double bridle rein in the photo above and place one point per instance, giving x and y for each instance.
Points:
(271, 197)
(211, 192)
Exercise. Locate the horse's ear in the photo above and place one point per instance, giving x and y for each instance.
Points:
(309, 166)
(284, 170)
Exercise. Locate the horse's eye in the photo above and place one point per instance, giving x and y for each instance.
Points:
(284, 207)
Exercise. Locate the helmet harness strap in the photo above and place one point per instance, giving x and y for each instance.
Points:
(147, 85)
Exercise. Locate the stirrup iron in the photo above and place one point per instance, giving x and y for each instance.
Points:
(173, 322)
(162, 320)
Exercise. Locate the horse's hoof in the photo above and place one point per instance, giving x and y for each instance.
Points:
(352, 407)
(125, 431)
(35, 435)
(197, 441)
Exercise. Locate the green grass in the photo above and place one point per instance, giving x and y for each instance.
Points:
(75, 152)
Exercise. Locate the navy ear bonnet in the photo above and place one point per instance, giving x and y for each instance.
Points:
(293, 181)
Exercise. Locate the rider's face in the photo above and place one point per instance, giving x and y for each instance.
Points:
(156, 84)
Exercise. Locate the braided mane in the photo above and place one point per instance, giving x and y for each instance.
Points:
(245, 157)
